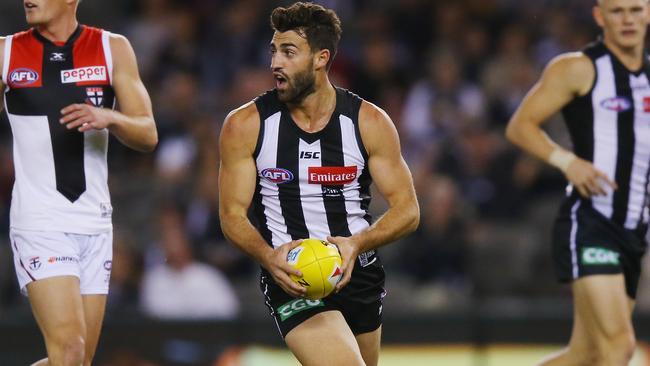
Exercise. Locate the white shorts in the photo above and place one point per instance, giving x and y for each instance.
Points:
(44, 254)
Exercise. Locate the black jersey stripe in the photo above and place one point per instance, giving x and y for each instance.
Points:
(289, 192)
(626, 141)
(332, 155)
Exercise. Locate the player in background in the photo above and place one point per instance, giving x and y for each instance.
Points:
(60, 81)
(302, 157)
(599, 234)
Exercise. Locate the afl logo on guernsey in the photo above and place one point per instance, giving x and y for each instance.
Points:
(23, 77)
(277, 175)
(617, 104)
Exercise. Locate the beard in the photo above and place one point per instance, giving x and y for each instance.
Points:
(299, 87)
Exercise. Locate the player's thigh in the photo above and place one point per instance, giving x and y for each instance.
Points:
(369, 344)
(323, 340)
(94, 308)
(603, 306)
(58, 308)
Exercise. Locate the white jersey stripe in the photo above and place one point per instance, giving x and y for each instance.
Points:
(6, 60)
(605, 132)
(640, 164)
(108, 54)
(352, 156)
(269, 190)
(313, 206)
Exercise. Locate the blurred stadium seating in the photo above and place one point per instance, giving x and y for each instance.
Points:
(449, 72)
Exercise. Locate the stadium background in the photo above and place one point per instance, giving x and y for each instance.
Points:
(473, 286)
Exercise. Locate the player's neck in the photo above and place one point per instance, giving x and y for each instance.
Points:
(313, 113)
(58, 30)
(630, 57)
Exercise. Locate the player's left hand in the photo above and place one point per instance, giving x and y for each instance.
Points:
(349, 250)
(85, 117)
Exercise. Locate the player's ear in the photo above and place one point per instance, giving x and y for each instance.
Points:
(598, 15)
(322, 57)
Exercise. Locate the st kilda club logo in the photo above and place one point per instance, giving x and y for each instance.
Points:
(95, 96)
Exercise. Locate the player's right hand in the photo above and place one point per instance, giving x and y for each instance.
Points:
(277, 265)
(588, 180)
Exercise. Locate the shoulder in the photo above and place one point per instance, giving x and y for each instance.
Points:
(375, 126)
(575, 70)
(119, 44)
(241, 126)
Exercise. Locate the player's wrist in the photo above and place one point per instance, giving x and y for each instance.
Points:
(561, 159)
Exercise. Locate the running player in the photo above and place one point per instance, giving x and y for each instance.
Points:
(303, 156)
(599, 235)
(60, 81)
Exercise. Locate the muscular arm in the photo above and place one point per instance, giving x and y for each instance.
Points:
(237, 177)
(134, 124)
(393, 180)
(565, 78)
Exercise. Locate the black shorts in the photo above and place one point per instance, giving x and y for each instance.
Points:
(587, 243)
(360, 301)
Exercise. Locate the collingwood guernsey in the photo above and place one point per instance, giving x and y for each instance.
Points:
(610, 126)
(61, 174)
(310, 184)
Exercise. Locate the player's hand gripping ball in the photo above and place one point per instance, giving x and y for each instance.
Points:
(320, 264)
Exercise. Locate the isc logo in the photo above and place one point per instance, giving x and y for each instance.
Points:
(310, 155)
(277, 175)
(23, 77)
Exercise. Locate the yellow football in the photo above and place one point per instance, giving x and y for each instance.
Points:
(320, 264)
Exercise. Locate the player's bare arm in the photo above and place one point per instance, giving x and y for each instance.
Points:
(237, 177)
(566, 77)
(134, 124)
(393, 179)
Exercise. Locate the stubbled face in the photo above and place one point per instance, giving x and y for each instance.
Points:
(40, 12)
(292, 63)
(624, 22)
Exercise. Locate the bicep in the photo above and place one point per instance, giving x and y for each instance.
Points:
(237, 176)
(132, 96)
(561, 82)
(238, 171)
(388, 169)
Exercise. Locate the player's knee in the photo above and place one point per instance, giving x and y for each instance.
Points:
(622, 346)
(617, 348)
(70, 348)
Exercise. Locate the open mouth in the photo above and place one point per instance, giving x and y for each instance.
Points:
(280, 80)
(30, 5)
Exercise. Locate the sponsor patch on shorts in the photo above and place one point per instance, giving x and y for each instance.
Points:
(295, 306)
(599, 256)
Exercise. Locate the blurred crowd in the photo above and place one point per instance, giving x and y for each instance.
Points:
(448, 72)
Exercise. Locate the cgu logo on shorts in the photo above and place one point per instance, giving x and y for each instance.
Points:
(599, 256)
(332, 175)
(295, 306)
(617, 104)
(277, 175)
(23, 77)
(89, 73)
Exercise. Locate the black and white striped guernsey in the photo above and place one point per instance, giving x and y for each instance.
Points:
(610, 126)
(310, 184)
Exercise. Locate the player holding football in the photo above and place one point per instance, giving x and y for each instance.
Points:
(599, 236)
(60, 82)
(303, 156)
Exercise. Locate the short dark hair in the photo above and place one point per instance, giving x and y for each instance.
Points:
(321, 27)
